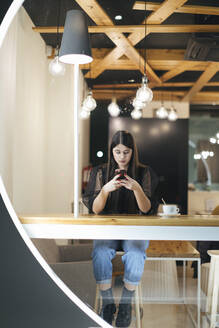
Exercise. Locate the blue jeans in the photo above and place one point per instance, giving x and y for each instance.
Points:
(133, 259)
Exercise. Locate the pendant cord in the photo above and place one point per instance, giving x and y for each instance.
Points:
(57, 32)
(90, 76)
(145, 31)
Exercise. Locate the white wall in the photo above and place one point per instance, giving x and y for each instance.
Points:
(36, 124)
(29, 127)
(59, 146)
(7, 105)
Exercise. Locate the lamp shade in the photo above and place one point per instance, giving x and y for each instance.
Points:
(75, 46)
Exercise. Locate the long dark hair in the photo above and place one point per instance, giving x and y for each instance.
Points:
(125, 138)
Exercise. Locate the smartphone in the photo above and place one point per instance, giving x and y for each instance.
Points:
(122, 174)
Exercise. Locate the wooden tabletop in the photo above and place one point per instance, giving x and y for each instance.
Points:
(172, 248)
(122, 220)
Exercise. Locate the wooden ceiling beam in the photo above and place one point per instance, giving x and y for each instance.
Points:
(138, 28)
(205, 98)
(187, 9)
(157, 65)
(210, 71)
(134, 38)
(98, 15)
(184, 66)
(166, 84)
(199, 98)
(166, 9)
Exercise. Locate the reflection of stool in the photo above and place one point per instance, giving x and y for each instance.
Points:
(170, 250)
(118, 270)
(213, 287)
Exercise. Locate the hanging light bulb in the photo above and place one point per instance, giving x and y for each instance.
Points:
(113, 108)
(89, 102)
(136, 114)
(84, 114)
(137, 103)
(144, 93)
(161, 112)
(172, 115)
(213, 140)
(56, 67)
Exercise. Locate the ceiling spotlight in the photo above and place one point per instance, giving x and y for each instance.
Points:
(162, 112)
(56, 67)
(144, 94)
(89, 102)
(118, 17)
(136, 114)
(113, 108)
(172, 115)
(131, 80)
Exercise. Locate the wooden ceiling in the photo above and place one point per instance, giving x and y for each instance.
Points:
(120, 53)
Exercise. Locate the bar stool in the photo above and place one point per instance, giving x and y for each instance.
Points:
(118, 270)
(213, 287)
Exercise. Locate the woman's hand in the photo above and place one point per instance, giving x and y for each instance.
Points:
(143, 201)
(130, 183)
(113, 184)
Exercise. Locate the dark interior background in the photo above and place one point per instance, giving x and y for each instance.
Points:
(162, 144)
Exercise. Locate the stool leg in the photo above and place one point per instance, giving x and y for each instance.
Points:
(215, 295)
(184, 281)
(140, 300)
(210, 285)
(199, 292)
(97, 300)
(137, 308)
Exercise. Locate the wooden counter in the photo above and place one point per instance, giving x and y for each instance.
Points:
(183, 227)
(130, 220)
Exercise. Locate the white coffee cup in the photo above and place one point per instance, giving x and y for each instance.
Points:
(170, 209)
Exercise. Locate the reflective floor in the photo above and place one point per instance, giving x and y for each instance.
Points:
(161, 291)
(164, 292)
(165, 316)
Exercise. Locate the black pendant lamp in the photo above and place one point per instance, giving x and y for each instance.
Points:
(75, 46)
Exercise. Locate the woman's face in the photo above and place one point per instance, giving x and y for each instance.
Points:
(122, 156)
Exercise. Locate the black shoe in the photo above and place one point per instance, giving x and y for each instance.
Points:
(124, 316)
(107, 313)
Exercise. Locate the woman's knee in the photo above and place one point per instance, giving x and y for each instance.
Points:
(134, 266)
(103, 252)
(136, 245)
(135, 257)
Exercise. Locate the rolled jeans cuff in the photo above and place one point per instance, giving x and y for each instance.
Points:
(106, 281)
(131, 282)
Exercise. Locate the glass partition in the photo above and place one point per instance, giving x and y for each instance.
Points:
(203, 152)
(37, 168)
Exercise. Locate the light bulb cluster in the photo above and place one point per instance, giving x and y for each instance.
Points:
(144, 96)
(88, 105)
(162, 113)
(215, 140)
(204, 154)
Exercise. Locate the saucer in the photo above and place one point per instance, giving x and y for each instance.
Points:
(163, 214)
